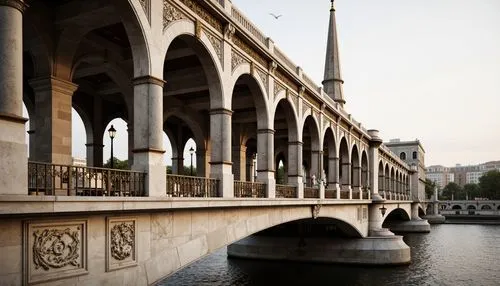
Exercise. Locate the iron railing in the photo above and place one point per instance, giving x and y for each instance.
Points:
(286, 191)
(311, 193)
(188, 186)
(356, 195)
(54, 179)
(249, 189)
(330, 194)
(344, 194)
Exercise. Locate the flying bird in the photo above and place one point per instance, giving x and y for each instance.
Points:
(275, 16)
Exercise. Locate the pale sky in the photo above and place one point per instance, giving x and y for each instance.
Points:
(425, 69)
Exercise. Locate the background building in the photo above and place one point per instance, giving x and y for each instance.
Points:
(460, 174)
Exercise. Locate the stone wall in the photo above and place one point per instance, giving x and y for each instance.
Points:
(136, 248)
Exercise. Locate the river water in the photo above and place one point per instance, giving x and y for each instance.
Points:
(450, 255)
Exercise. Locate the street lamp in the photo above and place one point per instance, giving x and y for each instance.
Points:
(112, 133)
(383, 209)
(191, 152)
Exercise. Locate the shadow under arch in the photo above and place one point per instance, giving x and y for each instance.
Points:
(396, 215)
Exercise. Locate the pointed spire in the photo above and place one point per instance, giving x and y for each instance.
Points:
(332, 82)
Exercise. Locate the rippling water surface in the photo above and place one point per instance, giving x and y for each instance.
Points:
(449, 255)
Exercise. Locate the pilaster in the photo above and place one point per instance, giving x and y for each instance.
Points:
(53, 102)
(265, 160)
(295, 176)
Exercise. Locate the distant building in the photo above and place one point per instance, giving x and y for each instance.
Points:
(79, 162)
(460, 174)
(413, 154)
(440, 175)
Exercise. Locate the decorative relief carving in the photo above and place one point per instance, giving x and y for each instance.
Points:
(312, 100)
(277, 89)
(236, 60)
(229, 31)
(145, 7)
(54, 249)
(263, 77)
(217, 44)
(272, 67)
(286, 80)
(315, 211)
(204, 14)
(122, 240)
(171, 14)
(198, 26)
(249, 51)
(121, 243)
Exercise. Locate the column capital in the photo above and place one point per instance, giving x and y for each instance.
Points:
(296, 143)
(17, 4)
(147, 79)
(53, 83)
(13, 118)
(221, 111)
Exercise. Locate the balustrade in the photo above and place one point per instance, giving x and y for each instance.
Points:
(249, 189)
(188, 186)
(285, 191)
(331, 194)
(54, 179)
(344, 194)
(311, 193)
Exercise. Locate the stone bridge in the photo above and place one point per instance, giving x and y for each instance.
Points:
(272, 146)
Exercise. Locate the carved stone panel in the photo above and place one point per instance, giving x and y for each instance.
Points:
(121, 242)
(171, 14)
(54, 249)
(236, 60)
(216, 44)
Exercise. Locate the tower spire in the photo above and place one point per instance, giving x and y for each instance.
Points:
(332, 82)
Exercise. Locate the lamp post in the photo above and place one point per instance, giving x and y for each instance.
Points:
(112, 133)
(191, 152)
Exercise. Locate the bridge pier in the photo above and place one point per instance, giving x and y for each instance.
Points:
(365, 251)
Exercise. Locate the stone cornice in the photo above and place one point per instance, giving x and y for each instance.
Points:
(17, 4)
(147, 79)
(13, 118)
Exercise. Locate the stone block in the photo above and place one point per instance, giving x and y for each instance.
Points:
(161, 265)
(182, 223)
(11, 262)
(162, 226)
(217, 239)
(192, 250)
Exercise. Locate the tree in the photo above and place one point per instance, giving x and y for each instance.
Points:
(117, 164)
(490, 185)
(187, 170)
(280, 175)
(472, 191)
(430, 185)
(451, 191)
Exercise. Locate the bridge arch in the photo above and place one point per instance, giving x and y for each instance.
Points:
(311, 150)
(183, 49)
(344, 163)
(330, 159)
(456, 207)
(471, 207)
(485, 207)
(396, 214)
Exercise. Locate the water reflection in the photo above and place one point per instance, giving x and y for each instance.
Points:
(449, 255)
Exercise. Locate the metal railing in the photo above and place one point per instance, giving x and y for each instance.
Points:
(344, 194)
(311, 193)
(188, 186)
(54, 179)
(249, 189)
(330, 194)
(286, 191)
(356, 194)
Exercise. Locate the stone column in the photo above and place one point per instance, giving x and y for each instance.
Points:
(375, 177)
(178, 164)
(148, 133)
(130, 131)
(239, 162)
(220, 164)
(95, 140)
(13, 149)
(346, 177)
(202, 166)
(95, 153)
(32, 140)
(265, 160)
(295, 167)
(333, 174)
(356, 178)
(322, 176)
(53, 102)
